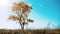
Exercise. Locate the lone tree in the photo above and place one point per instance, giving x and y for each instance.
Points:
(21, 10)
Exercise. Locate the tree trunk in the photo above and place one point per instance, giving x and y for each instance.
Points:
(22, 26)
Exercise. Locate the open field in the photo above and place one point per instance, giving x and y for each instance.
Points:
(42, 31)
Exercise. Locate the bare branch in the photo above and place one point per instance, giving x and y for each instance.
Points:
(29, 20)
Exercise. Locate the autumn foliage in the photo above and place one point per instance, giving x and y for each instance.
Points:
(19, 5)
(21, 9)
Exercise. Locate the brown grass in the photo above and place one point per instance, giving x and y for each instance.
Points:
(42, 31)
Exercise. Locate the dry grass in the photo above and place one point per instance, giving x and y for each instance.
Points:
(42, 31)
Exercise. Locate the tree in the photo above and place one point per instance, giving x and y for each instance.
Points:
(22, 10)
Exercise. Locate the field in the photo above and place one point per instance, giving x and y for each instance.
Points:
(40, 31)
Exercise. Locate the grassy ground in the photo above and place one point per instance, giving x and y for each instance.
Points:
(41, 31)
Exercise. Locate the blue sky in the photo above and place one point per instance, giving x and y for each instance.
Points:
(47, 8)
(44, 12)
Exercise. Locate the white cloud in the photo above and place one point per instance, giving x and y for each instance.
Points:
(2, 2)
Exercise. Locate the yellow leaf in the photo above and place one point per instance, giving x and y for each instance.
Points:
(19, 5)
(14, 17)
